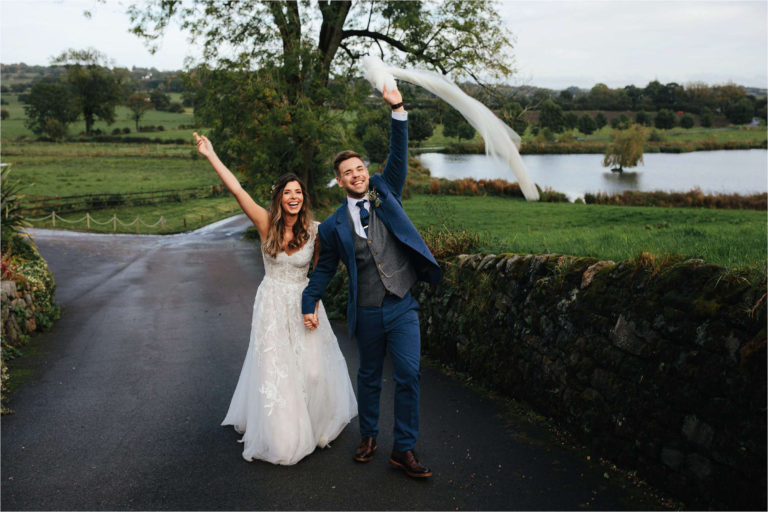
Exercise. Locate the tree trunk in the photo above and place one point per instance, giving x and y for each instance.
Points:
(334, 15)
(88, 116)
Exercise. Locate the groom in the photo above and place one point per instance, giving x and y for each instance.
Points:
(384, 256)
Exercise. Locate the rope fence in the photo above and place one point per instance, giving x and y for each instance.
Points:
(33, 204)
(88, 219)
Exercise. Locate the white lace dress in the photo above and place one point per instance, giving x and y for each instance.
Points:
(294, 391)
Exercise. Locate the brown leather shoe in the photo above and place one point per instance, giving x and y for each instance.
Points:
(365, 449)
(408, 462)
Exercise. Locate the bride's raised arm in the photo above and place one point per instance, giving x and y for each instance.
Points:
(258, 215)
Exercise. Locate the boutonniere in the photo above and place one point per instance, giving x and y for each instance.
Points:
(373, 197)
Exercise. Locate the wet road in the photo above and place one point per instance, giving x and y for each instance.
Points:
(124, 406)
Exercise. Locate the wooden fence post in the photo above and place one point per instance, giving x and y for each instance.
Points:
(114, 223)
(88, 220)
(138, 223)
(53, 218)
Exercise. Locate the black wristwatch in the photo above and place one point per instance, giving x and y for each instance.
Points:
(397, 105)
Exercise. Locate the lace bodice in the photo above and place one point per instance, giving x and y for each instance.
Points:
(291, 268)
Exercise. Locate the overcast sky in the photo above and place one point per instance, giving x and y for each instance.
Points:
(558, 43)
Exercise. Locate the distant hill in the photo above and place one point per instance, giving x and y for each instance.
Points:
(18, 77)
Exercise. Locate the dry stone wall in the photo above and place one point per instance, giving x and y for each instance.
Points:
(659, 366)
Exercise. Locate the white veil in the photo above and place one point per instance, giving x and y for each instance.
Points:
(500, 140)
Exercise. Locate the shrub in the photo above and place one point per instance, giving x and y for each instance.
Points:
(687, 121)
(665, 119)
(601, 120)
(694, 198)
(445, 242)
(4, 114)
(13, 220)
(587, 124)
(643, 118)
(656, 136)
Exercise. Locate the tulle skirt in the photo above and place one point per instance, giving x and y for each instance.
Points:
(294, 391)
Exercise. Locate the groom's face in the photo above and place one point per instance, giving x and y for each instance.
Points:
(353, 177)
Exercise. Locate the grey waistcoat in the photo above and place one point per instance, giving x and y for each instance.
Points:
(383, 265)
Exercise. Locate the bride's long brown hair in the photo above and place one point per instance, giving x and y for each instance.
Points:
(275, 235)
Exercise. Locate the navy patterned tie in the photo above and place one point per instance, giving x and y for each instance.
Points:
(364, 215)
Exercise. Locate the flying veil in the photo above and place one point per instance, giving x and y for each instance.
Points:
(501, 141)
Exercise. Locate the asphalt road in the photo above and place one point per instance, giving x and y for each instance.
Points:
(124, 404)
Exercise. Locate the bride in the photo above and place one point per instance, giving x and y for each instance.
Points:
(294, 391)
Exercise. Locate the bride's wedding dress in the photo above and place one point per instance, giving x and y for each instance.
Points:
(294, 391)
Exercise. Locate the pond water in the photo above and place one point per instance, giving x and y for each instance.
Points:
(715, 172)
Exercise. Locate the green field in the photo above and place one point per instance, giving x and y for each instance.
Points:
(732, 238)
(698, 134)
(66, 169)
(13, 127)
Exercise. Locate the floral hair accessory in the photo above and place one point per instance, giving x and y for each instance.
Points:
(373, 197)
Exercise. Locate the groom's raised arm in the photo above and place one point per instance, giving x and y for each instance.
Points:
(396, 169)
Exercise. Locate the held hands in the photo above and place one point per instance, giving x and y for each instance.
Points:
(310, 319)
(204, 145)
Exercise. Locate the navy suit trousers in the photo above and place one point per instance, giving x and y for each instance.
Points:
(394, 327)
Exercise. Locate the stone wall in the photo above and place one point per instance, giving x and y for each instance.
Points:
(27, 304)
(18, 311)
(660, 366)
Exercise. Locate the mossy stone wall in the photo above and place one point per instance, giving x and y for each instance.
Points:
(660, 366)
(28, 306)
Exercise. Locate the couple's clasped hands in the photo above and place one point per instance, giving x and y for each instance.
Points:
(310, 319)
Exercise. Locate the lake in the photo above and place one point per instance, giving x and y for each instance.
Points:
(716, 172)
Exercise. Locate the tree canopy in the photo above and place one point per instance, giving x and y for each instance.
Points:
(50, 109)
(96, 88)
(299, 58)
(138, 103)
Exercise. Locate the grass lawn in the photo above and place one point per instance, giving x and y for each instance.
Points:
(100, 170)
(182, 216)
(732, 238)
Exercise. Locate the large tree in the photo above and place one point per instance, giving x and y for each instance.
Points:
(626, 148)
(296, 58)
(97, 89)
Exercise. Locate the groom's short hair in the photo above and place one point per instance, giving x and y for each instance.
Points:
(341, 156)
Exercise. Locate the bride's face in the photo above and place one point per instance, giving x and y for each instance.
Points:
(292, 198)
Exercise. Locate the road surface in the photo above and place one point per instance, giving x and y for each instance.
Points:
(123, 407)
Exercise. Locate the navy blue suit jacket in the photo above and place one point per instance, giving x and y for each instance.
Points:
(337, 237)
